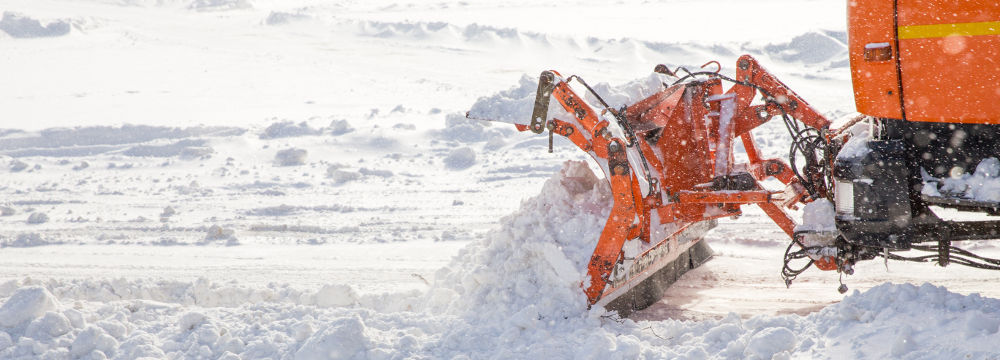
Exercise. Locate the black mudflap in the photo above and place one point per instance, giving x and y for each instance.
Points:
(652, 289)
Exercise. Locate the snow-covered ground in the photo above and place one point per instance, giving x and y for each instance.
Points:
(295, 179)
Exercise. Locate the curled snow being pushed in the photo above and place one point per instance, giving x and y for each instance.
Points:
(531, 268)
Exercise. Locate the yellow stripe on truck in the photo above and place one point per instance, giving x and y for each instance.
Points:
(943, 30)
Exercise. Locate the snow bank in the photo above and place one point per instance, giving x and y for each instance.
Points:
(21, 26)
(131, 140)
(810, 48)
(27, 240)
(515, 105)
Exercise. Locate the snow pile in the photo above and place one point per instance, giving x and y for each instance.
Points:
(38, 218)
(461, 158)
(346, 338)
(915, 322)
(517, 292)
(185, 149)
(219, 5)
(857, 146)
(290, 157)
(283, 129)
(25, 305)
(818, 216)
(20, 26)
(513, 105)
(535, 262)
(342, 176)
(282, 18)
(461, 129)
(27, 240)
(340, 127)
(630, 92)
(167, 213)
(982, 185)
(217, 233)
(17, 165)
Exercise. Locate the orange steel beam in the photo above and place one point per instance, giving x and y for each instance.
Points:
(723, 197)
(618, 226)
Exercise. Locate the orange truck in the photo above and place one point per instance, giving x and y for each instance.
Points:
(926, 78)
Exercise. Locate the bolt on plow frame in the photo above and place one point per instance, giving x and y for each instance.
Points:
(669, 161)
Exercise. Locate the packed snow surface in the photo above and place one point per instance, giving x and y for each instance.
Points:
(226, 179)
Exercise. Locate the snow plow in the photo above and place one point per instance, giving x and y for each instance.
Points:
(670, 163)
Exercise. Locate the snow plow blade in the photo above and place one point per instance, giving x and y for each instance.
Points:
(647, 288)
(669, 161)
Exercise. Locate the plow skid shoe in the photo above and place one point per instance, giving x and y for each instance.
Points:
(654, 271)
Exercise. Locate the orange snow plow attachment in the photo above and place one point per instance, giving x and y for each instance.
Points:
(669, 161)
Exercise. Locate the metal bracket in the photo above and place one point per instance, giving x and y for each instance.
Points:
(546, 83)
